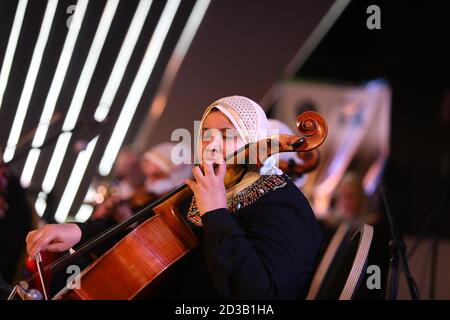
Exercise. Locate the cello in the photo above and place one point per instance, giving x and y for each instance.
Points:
(310, 159)
(139, 262)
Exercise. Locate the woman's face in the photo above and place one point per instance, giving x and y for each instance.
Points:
(219, 137)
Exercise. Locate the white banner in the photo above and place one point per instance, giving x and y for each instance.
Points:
(358, 119)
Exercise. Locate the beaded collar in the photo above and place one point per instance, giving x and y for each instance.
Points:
(245, 197)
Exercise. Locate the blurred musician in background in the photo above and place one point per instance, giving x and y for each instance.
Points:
(352, 209)
(161, 172)
(351, 206)
(129, 177)
(146, 180)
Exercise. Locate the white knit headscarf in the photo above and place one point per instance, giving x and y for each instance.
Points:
(252, 125)
(250, 122)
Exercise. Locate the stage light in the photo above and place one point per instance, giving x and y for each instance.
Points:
(11, 47)
(86, 208)
(160, 101)
(138, 86)
(80, 93)
(41, 203)
(55, 162)
(74, 181)
(28, 169)
(122, 59)
(111, 87)
(54, 91)
(30, 80)
(84, 213)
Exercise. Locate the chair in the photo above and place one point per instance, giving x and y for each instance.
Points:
(343, 265)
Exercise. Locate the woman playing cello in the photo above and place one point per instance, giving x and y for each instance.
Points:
(259, 238)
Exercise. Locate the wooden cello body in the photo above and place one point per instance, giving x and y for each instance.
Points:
(131, 268)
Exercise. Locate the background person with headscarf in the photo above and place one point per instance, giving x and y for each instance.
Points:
(128, 178)
(161, 172)
(158, 175)
(259, 238)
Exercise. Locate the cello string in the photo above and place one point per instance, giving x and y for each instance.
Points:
(13, 293)
(41, 274)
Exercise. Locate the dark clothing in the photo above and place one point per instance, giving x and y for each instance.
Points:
(266, 250)
(14, 227)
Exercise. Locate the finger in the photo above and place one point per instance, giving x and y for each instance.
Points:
(31, 238)
(192, 184)
(32, 235)
(221, 170)
(35, 237)
(209, 170)
(198, 175)
(41, 242)
(55, 247)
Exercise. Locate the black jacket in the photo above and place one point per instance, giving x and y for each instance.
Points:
(266, 250)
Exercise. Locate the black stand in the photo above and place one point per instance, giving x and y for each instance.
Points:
(398, 252)
(91, 128)
(432, 225)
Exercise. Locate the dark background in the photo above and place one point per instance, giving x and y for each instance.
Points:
(412, 52)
